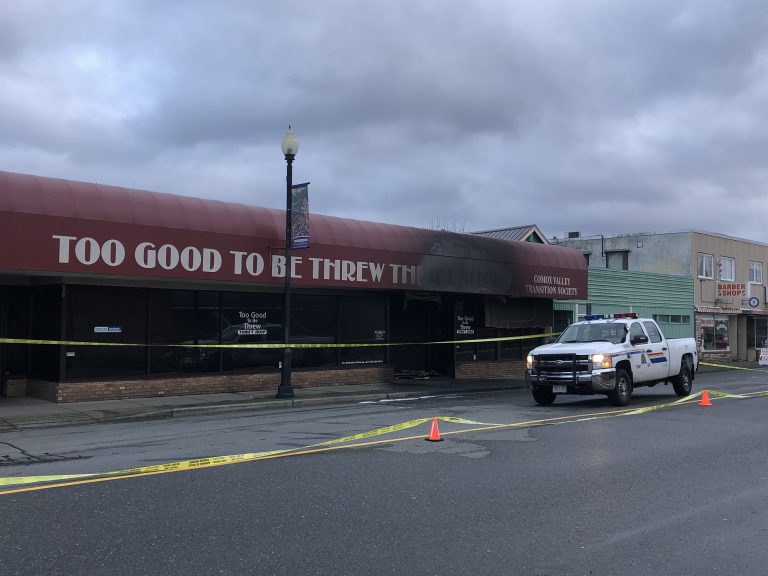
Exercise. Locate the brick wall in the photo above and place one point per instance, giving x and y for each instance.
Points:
(203, 384)
(483, 370)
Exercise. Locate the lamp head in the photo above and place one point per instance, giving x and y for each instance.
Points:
(289, 144)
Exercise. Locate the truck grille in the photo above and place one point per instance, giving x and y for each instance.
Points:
(561, 364)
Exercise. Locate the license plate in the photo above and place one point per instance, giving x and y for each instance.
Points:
(559, 389)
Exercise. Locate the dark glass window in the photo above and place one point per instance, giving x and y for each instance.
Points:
(635, 331)
(653, 332)
(313, 321)
(757, 332)
(17, 355)
(111, 315)
(514, 349)
(467, 319)
(250, 318)
(363, 319)
(46, 325)
(208, 326)
(486, 350)
(172, 315)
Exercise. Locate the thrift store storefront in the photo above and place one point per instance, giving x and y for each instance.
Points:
(83, 262)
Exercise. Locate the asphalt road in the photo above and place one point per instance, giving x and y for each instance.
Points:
(558, 490)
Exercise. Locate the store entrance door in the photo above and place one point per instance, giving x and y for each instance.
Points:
(421, 318)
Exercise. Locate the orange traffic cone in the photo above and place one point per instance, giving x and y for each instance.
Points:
(434, 433)
(705, 399)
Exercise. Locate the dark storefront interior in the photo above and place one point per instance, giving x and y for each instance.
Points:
(118, 314)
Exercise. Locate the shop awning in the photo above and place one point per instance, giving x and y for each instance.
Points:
(74, 228)
(717, 310)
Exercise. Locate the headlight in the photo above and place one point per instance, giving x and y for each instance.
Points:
(602, 361)
(529, 362)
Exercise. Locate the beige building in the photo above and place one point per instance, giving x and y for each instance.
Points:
(729, 282)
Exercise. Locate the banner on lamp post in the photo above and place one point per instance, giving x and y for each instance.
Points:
(300, 215)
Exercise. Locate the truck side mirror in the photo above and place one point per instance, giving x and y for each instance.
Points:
(640, 340)
(550, 340)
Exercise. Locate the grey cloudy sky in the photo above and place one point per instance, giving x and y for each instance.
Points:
(603, 116)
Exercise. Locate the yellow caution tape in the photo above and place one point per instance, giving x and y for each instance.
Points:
(727, 395)
(688, 399)
(269, 344)
(169, 467)
(372, 433)
(199, 463)
(731, 367)
(17, 480)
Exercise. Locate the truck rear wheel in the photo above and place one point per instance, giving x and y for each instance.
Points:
(623, 391)
(683, 383)
(544, 397)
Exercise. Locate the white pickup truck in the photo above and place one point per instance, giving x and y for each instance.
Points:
(610, 356)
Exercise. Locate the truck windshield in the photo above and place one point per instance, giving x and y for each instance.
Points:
(613, 333)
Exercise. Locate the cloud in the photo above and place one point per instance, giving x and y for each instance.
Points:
(600, 116)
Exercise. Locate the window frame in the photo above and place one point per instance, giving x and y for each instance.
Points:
(754, 266)
(624, 259)
(701, 268)
(726, 274)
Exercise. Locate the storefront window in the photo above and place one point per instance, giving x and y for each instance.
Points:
(363, 319)
(467, 319)
(250, 318)
(518, 349)
(714, 332)
(109, 315)
(757, 332)
(513, 349)
(313, 321)
(17, 362)
(486, 350)
(184, 317)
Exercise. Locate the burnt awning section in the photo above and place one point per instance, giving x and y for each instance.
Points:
(73, 228)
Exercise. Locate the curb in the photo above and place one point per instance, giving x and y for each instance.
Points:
(80, 418)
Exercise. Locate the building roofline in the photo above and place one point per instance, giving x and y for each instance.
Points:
(673, 232)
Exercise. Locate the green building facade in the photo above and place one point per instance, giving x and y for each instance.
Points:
(666, 298)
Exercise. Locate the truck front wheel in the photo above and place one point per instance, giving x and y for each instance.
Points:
(683, 383)
(543, 397)
(623, 391)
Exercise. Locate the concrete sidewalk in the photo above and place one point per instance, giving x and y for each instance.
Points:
(28, 412)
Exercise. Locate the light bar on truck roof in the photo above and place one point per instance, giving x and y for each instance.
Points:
(610, 316)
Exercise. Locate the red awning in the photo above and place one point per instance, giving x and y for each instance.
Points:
(43, 221)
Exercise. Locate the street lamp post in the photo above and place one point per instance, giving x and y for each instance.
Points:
(290, 146)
